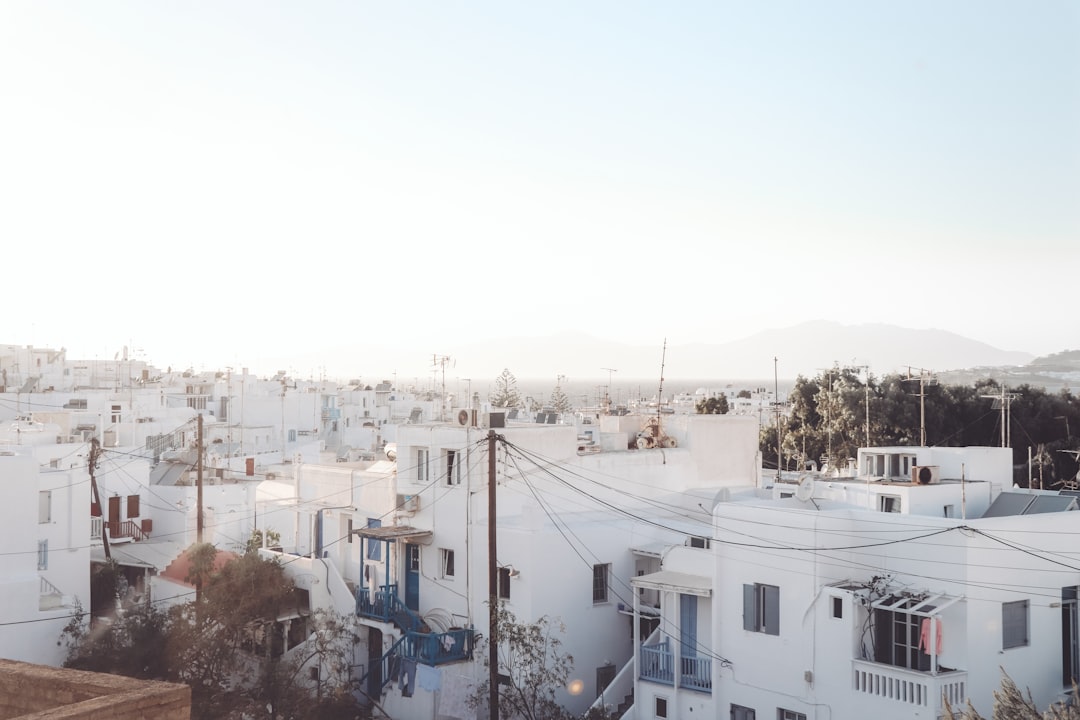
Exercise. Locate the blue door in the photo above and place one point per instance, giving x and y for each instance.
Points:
(412, 577)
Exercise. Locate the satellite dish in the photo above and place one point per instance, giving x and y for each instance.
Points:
(805, 489)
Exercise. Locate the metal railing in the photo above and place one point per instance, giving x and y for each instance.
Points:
(658, 665)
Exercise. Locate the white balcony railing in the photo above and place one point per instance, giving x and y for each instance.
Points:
(910, 687)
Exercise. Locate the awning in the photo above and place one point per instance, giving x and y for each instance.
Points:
(684, 583)
(929, 607)
(394, 532)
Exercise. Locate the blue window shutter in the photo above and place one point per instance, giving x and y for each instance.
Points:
(772, 609)
(688, 625)
(749, 608)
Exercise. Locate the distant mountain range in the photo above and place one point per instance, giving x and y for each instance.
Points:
(803, 349)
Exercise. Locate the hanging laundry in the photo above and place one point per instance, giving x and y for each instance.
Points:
(924, 636)
(428, 678)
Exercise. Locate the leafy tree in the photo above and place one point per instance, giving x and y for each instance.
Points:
(255, 542)
(745, 394)
(712, 406)
(506, 394)
(532, 659)
(131, 644)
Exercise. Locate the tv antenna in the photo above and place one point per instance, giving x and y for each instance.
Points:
(1003, 401)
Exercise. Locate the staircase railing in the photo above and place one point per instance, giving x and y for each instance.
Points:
(384, 604)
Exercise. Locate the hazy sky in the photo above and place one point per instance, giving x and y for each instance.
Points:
(219, 182)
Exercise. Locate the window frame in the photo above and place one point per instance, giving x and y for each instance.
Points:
(741, 712)
(660, 706)
(785, 714)
(43, 554)
(133, 504)
(44, 507)
(1021, 609)
(422, 459)
(504, 583)
(446, 564)
(761, 608)
(601, 583)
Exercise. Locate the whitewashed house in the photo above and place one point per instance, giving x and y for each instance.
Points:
(883, 595)
(44, 532)
(407, 541)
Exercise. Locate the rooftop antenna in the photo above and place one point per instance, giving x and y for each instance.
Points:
(436, 362)
(609, 372)
(1002, 401)
(660, 392)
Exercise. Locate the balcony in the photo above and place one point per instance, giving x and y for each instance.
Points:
(658, 665)
(425, 647)
(902, 688)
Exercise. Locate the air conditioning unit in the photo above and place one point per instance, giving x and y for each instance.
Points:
(925, 475)
(408, 503)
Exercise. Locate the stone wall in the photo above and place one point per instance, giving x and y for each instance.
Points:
(30, 692)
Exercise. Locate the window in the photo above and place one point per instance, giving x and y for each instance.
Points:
(453, 473)
(600, 583)
(838, 607)
(660, 707)
(115, 413)
(447, 563)
(782, 714)
(1014, 624)
(949, 511)
(43, 555)
(1070, 639)
(761, 608)
(504, 583)
(889, 503)
(45, 506)
(421, 466)
(132, 506)
(898, 635)
(738, 712)
(698, 542)
(350, 533)
(374, 548)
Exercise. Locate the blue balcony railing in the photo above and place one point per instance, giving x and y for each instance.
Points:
(658, 665)
(384, 604)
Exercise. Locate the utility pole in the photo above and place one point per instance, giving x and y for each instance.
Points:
(198, 481)
(95, 453)
(1003, 401)
(776, 404)
(493, 589)
(925, 376)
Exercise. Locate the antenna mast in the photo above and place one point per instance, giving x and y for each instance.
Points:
(660, 392)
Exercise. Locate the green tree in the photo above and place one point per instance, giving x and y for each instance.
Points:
(560, 401)
(506, 394)
(712, 406)
(255, 542)
(533, 661)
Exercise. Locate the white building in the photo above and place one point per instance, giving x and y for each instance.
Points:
(877, 596)
(44, 533)
(409, 538)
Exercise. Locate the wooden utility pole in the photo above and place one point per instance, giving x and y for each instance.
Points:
(95, 453)
(198, 482)
(924, 377)
(493, 589)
